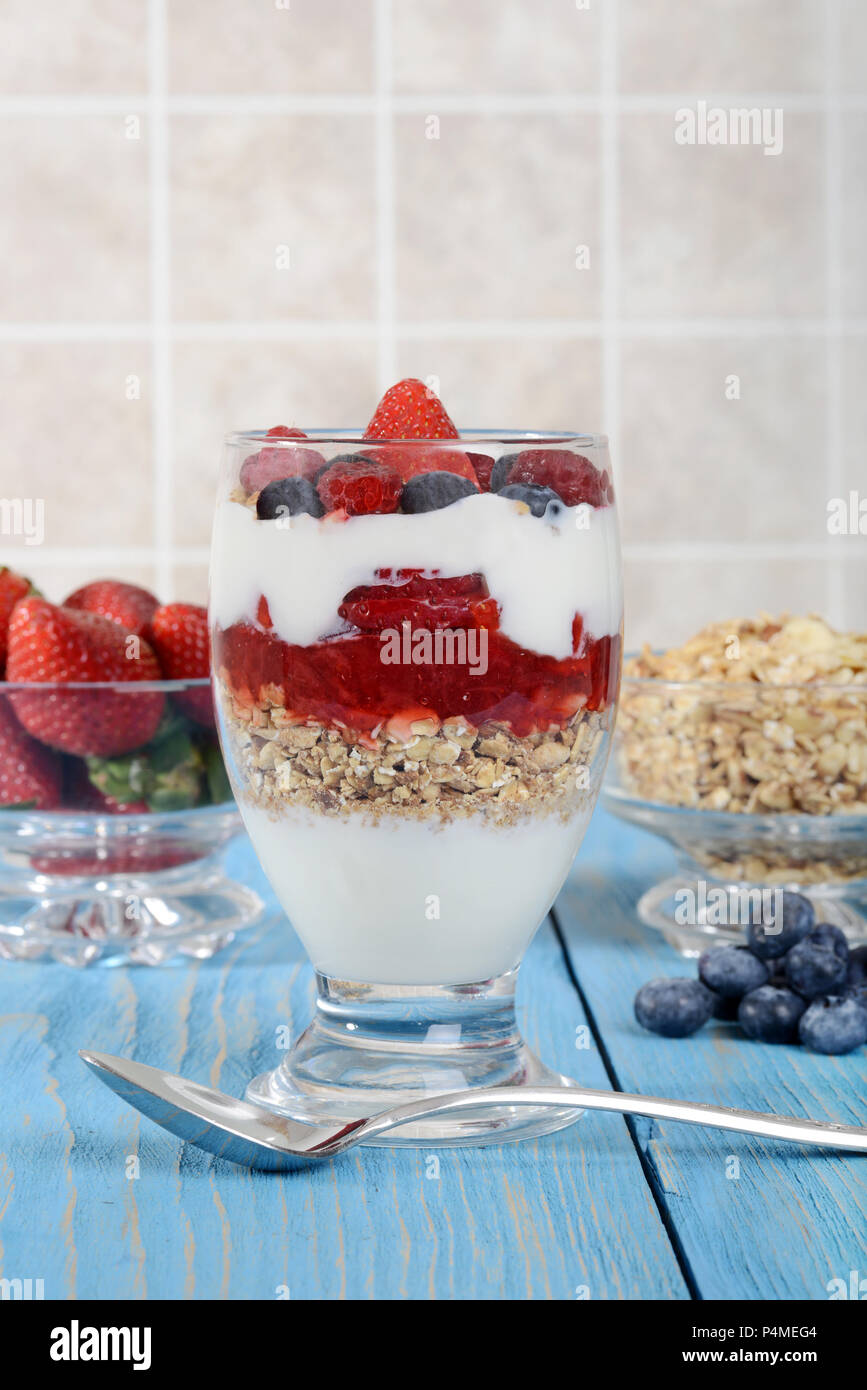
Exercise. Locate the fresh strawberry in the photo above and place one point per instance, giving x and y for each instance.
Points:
(410, 410)
(360, 486)
(572, 476)
(50, 644)
(180, 636)
(167, 774)
(269, 465)
(126, 604)
(12, 588)
(30, 775)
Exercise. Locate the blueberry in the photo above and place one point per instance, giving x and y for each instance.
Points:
(501, 470)
(288, 497)
(674, 1008)
(725, 1010)
(814, 967)
(535, 495)
(731, 971)
(784, 928)
(428, 492)
(856, 976)
(834, 1025)
(832, 937)
(856, 973)
(770, 1014)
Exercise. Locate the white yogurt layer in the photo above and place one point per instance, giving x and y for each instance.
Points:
(407, 902)
(541, 572)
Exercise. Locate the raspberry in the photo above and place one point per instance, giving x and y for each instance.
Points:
(572, 476)
(483, 466)
(360, 488)
(270, 465)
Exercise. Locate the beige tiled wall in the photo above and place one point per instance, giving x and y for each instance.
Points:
(161, 161)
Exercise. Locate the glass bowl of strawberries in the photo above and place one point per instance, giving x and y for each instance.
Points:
(115, 809)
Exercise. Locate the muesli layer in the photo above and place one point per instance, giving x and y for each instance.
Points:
(440, 772)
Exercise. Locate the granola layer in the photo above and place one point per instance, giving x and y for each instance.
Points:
(442, 771)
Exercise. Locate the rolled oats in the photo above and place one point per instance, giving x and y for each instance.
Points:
(440, 771)
(772, 718)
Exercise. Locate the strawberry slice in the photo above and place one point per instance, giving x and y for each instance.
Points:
(410, 410)
(126, 604)
(30, 775)
(463, 601)
(180, 636)
(50, 644)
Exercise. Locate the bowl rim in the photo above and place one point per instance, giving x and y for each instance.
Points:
(466, 439)
(697, 683)
(163, 686)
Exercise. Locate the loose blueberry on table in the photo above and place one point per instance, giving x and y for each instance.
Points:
(817, 995)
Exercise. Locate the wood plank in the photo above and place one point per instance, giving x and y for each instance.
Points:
(795, 1218)
(534, 1220)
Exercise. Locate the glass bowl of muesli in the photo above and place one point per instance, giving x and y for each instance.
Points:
(746, 749)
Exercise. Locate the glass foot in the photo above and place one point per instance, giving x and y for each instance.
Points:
(371, 1047)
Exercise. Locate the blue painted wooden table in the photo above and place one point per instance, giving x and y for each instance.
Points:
(98, 1203)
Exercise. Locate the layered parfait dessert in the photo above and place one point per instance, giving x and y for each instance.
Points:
(416, 644)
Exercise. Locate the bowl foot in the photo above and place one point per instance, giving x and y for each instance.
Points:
(183, 913)
(694, 914)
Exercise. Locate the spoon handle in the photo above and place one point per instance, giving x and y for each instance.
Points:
(691, 1112)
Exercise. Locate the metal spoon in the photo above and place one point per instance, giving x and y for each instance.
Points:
(259, 1138)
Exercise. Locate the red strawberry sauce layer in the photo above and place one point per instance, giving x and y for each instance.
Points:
(342, 680)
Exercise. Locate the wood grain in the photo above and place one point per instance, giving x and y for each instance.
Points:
(794, 1218)
(568, 1216)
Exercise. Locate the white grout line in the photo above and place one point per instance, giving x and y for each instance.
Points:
(385, 200)
(288, 330)
(836, 586)
(160, 290)
(331, 104)
(610, 233)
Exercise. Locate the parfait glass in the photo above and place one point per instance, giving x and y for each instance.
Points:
(415, 693)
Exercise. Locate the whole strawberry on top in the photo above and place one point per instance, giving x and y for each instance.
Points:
(126, 604)
(12, 588)
(180, 637)
(411, 410)
(50, 644)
